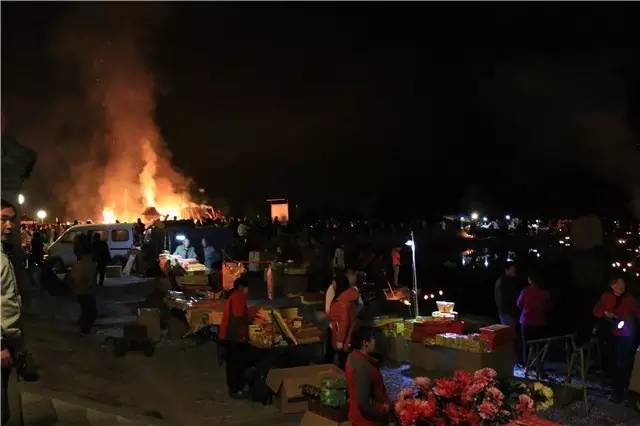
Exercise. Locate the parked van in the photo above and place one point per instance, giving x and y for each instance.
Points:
(119, 238)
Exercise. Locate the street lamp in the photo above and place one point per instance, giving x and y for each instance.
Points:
(475, 215)
(412, 243)
(20, 199)
(41, 215)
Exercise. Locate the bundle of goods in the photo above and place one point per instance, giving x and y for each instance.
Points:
(333, 391)
(498, 336)
(393, 327)
(445, 307)
(424, 328)
(271, 326)
(265, 336)
(329, 400)
(192, 267)
(468, 342)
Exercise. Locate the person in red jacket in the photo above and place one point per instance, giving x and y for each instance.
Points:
(234, 333)
(343, 314)
(535, 303)
(369, 404)
(621, 310)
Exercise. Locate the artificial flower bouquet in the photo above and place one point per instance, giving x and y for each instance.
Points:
(469, 399)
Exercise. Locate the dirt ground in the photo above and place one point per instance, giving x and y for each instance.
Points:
(181, 384)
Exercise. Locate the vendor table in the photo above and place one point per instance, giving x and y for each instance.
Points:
(443, 361)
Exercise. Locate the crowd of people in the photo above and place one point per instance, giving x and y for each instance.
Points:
(616, 315)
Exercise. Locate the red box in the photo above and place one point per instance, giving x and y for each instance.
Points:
(498, 336)
(431, 328)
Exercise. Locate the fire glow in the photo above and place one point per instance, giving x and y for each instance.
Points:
(134, 175)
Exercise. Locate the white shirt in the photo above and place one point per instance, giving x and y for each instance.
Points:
(11, 301)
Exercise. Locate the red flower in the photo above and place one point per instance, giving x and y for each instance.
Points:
(495, 395)
(428, 408)
(445, 388)
(471, 418)
(454, 413)
(405, 393)
(488, 410)
(409, 414)
(462, 378)
(470, 393)
(438, 421)
(486, 376)
(423, 382)
(525, 405)
(399, 405)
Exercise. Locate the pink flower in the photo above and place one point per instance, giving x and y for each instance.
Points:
(423, 382)
(486, 376)
(495, 395)
(462, 378)
(445, 388)
(488, 410)
(470, 393)
(525, 405)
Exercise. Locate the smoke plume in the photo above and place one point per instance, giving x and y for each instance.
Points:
(116, 158)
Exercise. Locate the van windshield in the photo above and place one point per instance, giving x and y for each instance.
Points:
(69, 236)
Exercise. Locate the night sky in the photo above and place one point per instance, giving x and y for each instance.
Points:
(397, 108)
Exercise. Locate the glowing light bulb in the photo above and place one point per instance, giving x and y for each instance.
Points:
(441, 292)
(620, 325)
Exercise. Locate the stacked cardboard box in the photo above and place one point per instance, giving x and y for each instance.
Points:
(498, 336)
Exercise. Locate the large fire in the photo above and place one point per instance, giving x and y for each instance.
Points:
(157, 194)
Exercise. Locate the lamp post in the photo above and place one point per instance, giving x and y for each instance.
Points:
(41, 215)
(412, 243)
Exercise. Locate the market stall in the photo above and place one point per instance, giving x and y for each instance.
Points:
(439, 344)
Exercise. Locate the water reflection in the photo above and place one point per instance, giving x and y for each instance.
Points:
(486, 257)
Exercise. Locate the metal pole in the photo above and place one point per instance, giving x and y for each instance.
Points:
(415, 277)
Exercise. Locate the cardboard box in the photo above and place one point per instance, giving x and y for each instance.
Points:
(150, 318)
(634, 383)
(286, 382)
(313, 419)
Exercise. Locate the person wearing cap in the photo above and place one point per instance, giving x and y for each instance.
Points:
(620, 309)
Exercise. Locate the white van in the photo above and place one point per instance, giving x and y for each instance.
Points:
(119, 237)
